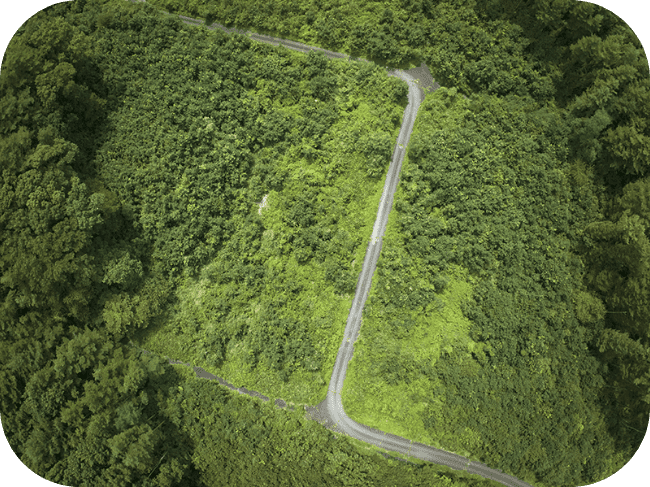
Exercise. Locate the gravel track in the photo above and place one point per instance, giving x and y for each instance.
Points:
(330, 411)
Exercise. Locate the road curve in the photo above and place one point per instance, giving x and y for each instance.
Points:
(330, 411)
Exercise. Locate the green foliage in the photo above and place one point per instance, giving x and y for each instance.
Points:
(123, 270)
(510, 307)
(331, 29)
(377, 147)
(94, 415)
(439, 283)
(588, 308)
(585, 135)
(618, 253)
(485, 188)
(48, 220)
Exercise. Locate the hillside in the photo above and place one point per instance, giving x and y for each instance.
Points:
(508, 317)
(110, 124)
(210, 198)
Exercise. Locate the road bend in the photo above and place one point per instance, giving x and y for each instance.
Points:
(331, 409)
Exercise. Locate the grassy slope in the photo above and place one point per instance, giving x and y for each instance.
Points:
(440, 327)
(374, 402)
(392, 383)
(347, 191)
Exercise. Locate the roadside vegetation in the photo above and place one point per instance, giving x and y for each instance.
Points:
(262, 293)
(474, 339)
(508, 318)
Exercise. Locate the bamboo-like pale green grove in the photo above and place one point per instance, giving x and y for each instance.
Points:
(210, 198)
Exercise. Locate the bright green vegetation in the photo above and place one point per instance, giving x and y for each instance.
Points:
(508, 318)
(470, 338)
(265, 291)
(261, 445)
(509, 314)
(391, 351)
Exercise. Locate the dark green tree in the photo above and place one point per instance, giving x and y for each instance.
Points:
(94, 415)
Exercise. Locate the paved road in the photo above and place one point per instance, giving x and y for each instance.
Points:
(330, 411)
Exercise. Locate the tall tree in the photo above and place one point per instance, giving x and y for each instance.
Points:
(619, 259)
(94, 415)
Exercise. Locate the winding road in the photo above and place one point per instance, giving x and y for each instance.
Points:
(330, 411)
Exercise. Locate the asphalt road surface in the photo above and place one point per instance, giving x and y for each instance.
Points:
(330, 411)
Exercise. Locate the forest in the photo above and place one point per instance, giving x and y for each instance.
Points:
(508, 319)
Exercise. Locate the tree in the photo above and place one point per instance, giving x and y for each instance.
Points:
(100, 407)
(331, 31)
(619, 260)
(628, 148)
(52, 219)
(377, 147)
(588, 308)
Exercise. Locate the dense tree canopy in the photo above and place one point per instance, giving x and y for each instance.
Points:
(509, 314)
